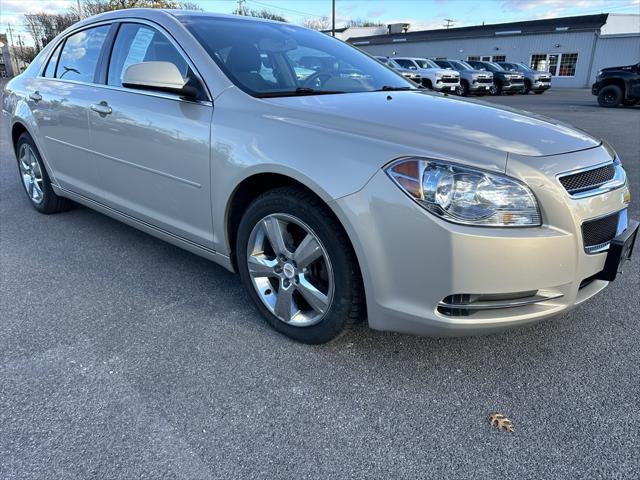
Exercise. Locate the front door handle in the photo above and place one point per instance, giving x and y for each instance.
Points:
(102, 108)
(35, 96)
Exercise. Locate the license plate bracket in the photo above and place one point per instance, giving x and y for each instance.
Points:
(620, 251)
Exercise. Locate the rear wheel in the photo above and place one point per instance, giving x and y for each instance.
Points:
(298, 266)
(610, 96)
(35, 179)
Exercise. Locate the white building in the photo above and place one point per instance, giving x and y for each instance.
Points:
(572, 49)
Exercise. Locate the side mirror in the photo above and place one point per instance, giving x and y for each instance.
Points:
(158, 76)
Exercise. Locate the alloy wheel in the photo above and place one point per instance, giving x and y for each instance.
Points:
(31, 174)
(290, 270)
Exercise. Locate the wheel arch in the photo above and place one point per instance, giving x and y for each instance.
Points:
(618, 82)
(255, 185)
(17, 129)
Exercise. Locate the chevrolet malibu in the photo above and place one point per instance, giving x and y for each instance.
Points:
(341, 194)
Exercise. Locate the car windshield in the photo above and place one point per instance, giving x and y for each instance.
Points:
(423, 63)
(522, 68)
(269, 59)
(493, 67)
(392, 63)
(459, 65)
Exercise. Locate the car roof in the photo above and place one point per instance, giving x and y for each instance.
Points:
(162, 13)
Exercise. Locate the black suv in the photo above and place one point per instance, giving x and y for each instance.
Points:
(616, 85)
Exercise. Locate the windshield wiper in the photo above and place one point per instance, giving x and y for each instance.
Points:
(297, 92)
(388, 88)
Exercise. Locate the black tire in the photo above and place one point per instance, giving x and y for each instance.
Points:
(427, 83)
(463, 91)
(527, 87)
(50, 202)
(347, 306)
(495, 89)
(539, 92)
(610, 96)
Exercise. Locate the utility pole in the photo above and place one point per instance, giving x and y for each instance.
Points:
(333, 18)
(10, 35)
(12, 60)
(449, 22)
(21, 52)
(241, 10)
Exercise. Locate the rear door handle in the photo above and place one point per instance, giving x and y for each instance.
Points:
(102, 108)
(35, 96)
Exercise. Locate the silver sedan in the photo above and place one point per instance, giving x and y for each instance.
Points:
(337, 189)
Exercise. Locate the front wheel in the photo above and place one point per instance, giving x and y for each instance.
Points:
(298, 266)
(463, 90)
(495, 89)
(610, 96)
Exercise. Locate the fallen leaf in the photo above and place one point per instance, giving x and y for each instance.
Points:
(501, 422)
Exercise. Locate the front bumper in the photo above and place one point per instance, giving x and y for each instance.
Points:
(513, 87)
(538, 86)
(480, 87)
(412, 261)
(441, 86)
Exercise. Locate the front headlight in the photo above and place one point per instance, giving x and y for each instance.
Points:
(465, 195)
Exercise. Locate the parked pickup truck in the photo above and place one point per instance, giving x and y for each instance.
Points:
(618, 85)
(534, 81)
(503, 81)
(472, 81)
(433, 76)
(405, 72)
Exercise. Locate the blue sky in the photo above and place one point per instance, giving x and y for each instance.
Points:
(421, 14)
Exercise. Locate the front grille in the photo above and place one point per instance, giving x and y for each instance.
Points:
(596, 234)
(587, 180)
(449, 80)
(517, 80)
(484, 80)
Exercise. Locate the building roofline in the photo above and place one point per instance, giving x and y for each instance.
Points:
(529, 27)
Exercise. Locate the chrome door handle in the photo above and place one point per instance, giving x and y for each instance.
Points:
(35, 96)
(102, 108)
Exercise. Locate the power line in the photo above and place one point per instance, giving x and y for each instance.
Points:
(284, 9)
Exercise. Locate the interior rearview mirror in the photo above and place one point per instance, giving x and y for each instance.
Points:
(158, 76)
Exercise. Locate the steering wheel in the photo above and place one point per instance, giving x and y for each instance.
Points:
(319, 77)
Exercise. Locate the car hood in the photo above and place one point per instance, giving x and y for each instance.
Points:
(442, 71)
(433, 123)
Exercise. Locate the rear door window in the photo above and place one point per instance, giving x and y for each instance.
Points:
(80, 54)
(50, 71)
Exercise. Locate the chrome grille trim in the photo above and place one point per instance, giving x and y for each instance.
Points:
(615, 178)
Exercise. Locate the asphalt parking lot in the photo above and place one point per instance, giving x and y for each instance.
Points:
(124, 357)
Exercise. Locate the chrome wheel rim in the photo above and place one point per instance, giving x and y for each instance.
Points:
(290, 270)
(31, 174)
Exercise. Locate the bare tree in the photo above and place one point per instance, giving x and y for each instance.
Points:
(319, 23)
(94, 7)
(361, 22)
(259, 14)
(44, 27)
(25, 53)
